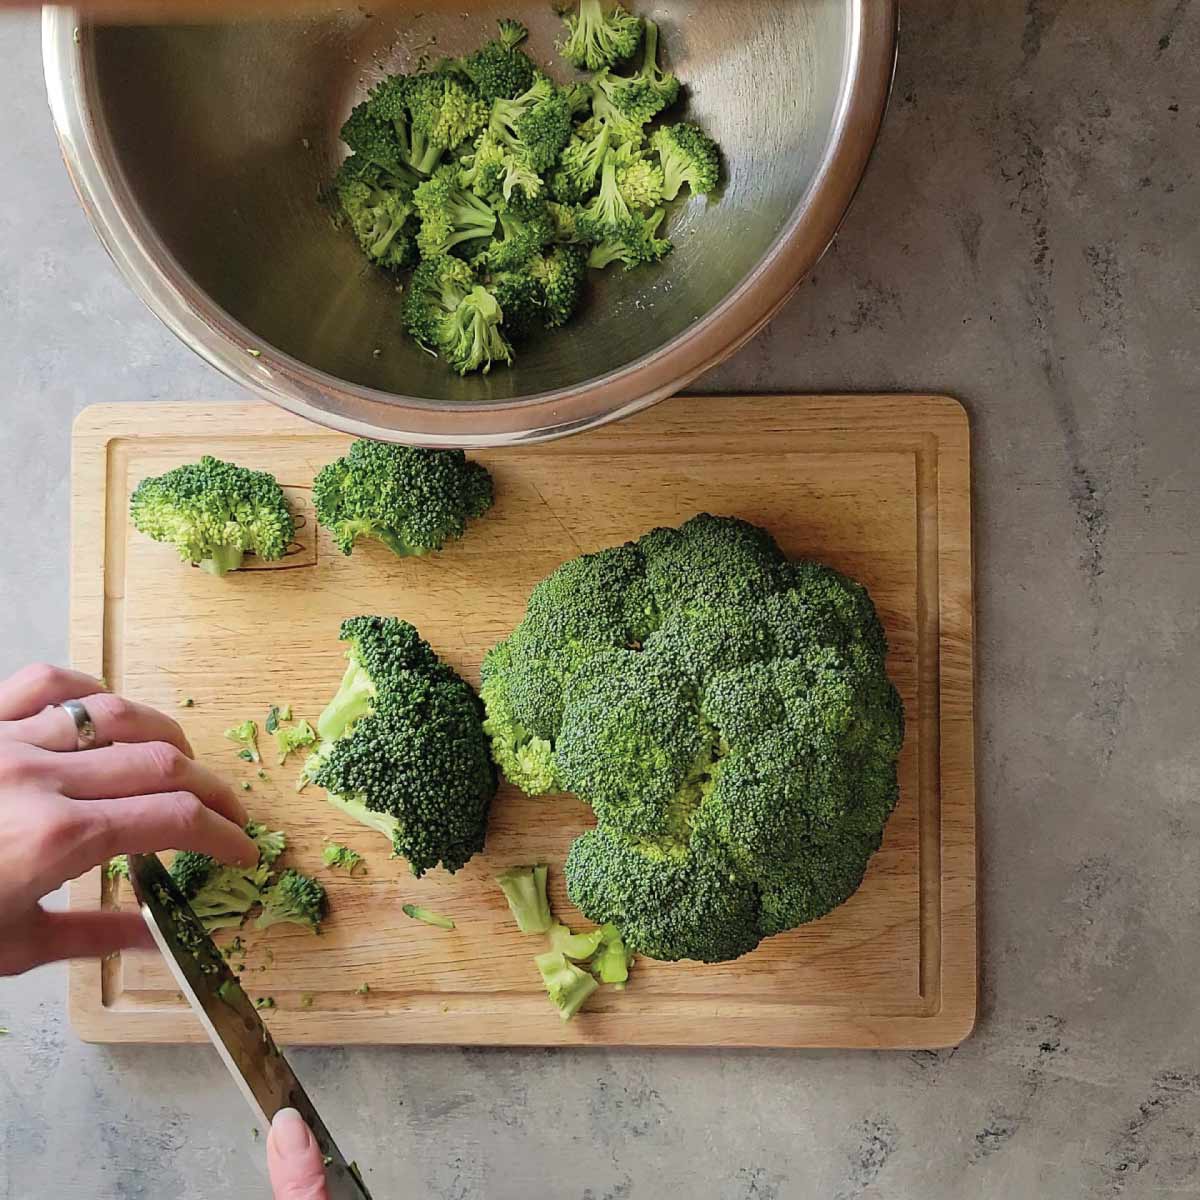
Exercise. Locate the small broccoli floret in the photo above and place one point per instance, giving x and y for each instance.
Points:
(289, 739)
(449, 215)
(598, 38)
(578, 947)
(499, 69)
(403, 748)
(219, 896)
(214, 513)
(640, 98)
(378, 208)
(689, 157)
(341, 858)
(537, 122)
(634, 243)
(727, 715)
(294, 900)
(426, 916)
(411, 499)
(525, 890)
(567, 985)
(271, 843)
(562, 275)
(246, 736)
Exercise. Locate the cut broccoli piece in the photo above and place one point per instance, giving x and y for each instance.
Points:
(525, 890)
(567, 985)
(578, 947)
(403, 748)
(411, 499)
(597, 38)
(295, 899)
(214, 513)
(290, 738)
(429, 918)
(246, 736)
(341, 858)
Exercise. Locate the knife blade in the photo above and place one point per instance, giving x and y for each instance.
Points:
(230, 1019)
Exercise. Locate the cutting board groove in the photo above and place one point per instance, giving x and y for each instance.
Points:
(877, 486)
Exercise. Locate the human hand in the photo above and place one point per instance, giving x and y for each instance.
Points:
(64, 810)
(294, 1160)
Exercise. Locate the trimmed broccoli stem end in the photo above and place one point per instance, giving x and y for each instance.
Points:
(525, 890)
(223, 560)
(352, 701)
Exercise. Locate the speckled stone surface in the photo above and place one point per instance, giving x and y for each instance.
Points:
(1027, 239)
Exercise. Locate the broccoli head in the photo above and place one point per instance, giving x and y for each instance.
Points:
(600, 35)
(295, 899)
(403, 748)
(412, 500)
(214, 513)
(728, 716)
(689, 157)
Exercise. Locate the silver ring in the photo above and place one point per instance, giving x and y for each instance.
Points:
(85, 729)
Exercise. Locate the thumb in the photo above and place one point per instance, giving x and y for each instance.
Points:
(294, 1160)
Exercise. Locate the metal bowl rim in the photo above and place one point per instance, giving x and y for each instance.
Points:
(166, 288)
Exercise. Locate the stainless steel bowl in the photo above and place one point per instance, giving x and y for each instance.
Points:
(199, 151)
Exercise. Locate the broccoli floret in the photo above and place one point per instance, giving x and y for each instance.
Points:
(294, 900)
(597, 38)
(688, 156)
(525, 890)
(426, 916)
(413, 500)
(499, 69)
(378, 208)
(245, 735)
(403, 748)
(567, 985)
(562, 275)
(291, 738)
(728, 716)
(640, 98)
(449, 215)
(578, 947)
(634, 242)
(214, 513)
(219, 896)
(537, 123)
(579, 170)
(341, 858)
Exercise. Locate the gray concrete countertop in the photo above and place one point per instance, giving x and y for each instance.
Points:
(1027, 239)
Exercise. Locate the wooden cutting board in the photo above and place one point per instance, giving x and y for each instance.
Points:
(877, 486)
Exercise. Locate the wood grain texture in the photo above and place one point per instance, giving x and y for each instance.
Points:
(877, 486)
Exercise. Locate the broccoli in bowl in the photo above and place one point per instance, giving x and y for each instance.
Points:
(727, 715)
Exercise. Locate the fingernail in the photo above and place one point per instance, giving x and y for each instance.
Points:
(289, 1132)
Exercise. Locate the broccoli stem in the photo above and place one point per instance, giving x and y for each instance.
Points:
(224, 559)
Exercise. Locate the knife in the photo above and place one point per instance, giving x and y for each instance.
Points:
(230, 1020)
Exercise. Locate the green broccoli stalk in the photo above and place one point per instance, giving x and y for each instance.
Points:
(597, 39)
(412, 500)
(640, 98)
(427, 917)
(525, 890)
(567, 985)
(214, 513)
(341, 858)
(689, 158)
(403, 748)
(294, 900)
(246, 736)
(578, 947)
(727, 715)
(290, 738)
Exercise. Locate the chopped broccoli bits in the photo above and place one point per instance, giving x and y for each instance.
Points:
(727, 715)
(214, 513)
(500, 189)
